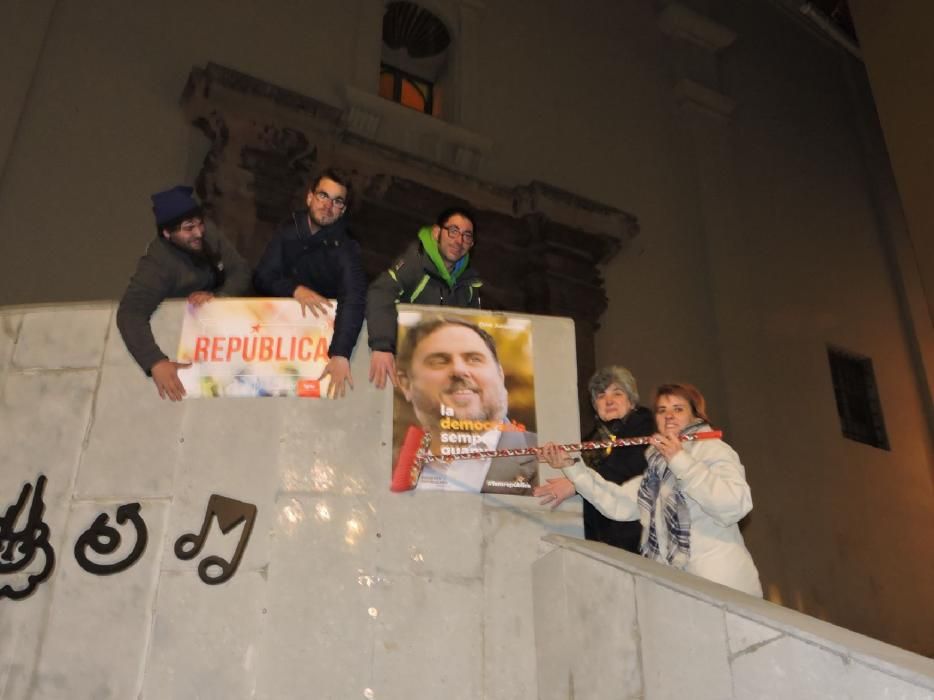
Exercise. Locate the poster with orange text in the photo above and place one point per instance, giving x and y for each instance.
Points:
(251, 347)
(465, 379)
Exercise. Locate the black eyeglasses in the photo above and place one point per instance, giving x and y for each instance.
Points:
(338, 202)
(454, 233)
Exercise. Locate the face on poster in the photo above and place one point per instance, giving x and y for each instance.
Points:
(254, 347)
(466, 377)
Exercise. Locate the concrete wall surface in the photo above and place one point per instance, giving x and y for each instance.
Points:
(609, 624)
(895, 40)
(345, 590)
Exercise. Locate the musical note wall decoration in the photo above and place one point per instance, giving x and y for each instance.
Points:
(18, 548)
(229, 513)
(104, 539)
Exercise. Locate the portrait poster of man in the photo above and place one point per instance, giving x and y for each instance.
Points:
(466, 377)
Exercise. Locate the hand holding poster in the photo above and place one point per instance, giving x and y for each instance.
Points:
(254, 347)
(466, 378)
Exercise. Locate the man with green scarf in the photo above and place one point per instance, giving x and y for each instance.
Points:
(435, 270)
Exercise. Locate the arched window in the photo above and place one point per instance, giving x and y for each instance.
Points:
(414, 57)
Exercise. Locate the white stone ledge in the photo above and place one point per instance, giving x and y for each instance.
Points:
(913, 669)
(433, 587)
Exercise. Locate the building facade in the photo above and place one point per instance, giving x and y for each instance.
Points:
(771, 236)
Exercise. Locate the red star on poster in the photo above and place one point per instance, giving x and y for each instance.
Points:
(256, 327)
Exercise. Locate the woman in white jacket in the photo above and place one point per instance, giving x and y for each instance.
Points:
(689, 500)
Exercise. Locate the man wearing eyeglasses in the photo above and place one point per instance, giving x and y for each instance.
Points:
(434, 270)
(186, 259)
(313, 259)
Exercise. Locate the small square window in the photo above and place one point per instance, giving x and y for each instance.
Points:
(854, 388)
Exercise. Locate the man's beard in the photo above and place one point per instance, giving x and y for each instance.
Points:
(318, 221)
(187, 248)
(203, 253)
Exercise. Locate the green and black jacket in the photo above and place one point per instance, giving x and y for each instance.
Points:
(418, 277)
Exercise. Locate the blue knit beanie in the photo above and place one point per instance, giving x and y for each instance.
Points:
(174, 206)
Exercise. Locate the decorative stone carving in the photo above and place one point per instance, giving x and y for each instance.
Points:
(362, 122)
(420, 135)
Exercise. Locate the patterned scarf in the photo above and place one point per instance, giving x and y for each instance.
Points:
(660, 488)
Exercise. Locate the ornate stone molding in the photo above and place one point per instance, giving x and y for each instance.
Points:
(578, 213)
(422, 135)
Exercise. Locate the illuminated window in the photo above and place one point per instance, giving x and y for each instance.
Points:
(407, 90)
(854, 388)
(415, 48)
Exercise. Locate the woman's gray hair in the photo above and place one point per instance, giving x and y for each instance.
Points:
(614, 374)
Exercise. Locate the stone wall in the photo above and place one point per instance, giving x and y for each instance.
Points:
(345, 590)
(609, 624)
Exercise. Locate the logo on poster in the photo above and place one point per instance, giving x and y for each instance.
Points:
(308, 388)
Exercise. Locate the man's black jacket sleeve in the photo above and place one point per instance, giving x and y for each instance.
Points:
(351, 301)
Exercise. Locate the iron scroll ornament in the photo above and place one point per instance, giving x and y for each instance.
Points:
(18, 548)
(104, 539)
(230, 513)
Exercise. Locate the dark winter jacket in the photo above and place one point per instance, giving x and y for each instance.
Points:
(167, 271)
(418, 277)
(327, 262)
(622, 464)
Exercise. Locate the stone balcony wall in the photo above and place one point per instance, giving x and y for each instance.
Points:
(345, 590)
(609, 624)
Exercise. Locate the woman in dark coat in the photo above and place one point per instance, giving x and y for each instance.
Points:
(615, 398)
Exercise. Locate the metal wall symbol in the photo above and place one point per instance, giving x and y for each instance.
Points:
(229, 513)
(20, 548)
(104, 539)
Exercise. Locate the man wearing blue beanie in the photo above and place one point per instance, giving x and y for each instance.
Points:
(186, 259)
